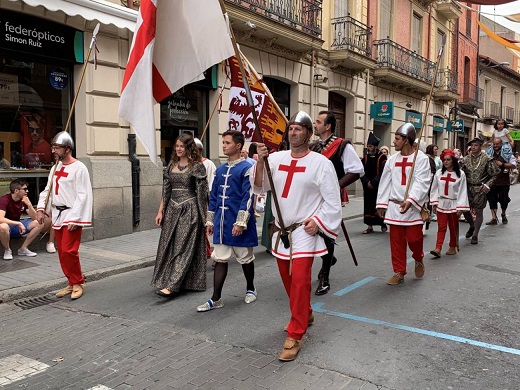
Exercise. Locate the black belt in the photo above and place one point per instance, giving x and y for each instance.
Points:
(60, 209)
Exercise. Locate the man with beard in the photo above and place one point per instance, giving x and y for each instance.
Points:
(348, 168)
(499, 193)
(481, 171)
(70, 202)
(373, 164)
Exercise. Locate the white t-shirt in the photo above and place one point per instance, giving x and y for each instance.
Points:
(502, 135)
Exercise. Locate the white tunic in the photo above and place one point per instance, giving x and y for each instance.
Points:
(307, 187)
(449, 192)
(393, 186)
(70, 187)
(210, 171)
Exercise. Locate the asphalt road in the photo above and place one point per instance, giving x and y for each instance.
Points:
(457, 328)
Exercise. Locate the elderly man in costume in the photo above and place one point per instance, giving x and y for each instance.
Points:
(481, 171)
(309, 198)
(373, 163)
(401, 210)
(70, 201)
(348, 169)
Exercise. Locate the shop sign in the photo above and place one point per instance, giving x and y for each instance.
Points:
(457, 126)
(438, 124)
(414, 118)
(23, 33)
(515, 135)
(179, 107)
(382, 111)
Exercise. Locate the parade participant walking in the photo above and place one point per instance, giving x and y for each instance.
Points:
(181, 253)
(499, 193)
(309, 198)
(481, 172)
(449, 198)
(404, 215)
(348, 168)
(70, 200)
(231, 220)
(373, 164)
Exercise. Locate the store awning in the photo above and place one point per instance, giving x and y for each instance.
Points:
(102, 11)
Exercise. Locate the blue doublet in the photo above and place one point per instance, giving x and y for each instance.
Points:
(231, 201)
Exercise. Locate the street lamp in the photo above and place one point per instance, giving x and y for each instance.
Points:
(504, 63)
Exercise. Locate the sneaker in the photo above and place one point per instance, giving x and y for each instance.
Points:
(250, 296)
(396, 279)
(419, 269)
(210, 305)
(26, 252)
(494, 221)
(470, 231)
(8, 254)
(51, 248)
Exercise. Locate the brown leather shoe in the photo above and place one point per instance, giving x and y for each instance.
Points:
(451, 251)
(436, 252)
(396, 279)
(309, 323)
(64, 292)
(419, 269)
(290, 350)
(77, 291)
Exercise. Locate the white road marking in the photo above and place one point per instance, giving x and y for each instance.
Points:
(17, 367)
(100, 387)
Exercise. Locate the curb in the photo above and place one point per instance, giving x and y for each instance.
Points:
(42, 288)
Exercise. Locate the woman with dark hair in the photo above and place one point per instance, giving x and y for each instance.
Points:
(431, 151)
(449, 198)
(181, 255)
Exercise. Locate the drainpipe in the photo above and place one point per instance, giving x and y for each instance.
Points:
(313, 58)
(136, 170)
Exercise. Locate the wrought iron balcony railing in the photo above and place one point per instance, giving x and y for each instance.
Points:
(394, 56)
(351, 34)
(471, 94)
(303, 15)
(508, 113)
(447, 79)
(491, 110)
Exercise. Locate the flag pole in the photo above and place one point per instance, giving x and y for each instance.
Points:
(213, 111)
(92, 45)
(425, 117)
(283, 232)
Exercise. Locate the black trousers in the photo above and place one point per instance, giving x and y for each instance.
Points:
(498, 195)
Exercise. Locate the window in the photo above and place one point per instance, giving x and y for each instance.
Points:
(340, 8)
(468, 25)
(416, 33)
(385, 18)
(441, 40)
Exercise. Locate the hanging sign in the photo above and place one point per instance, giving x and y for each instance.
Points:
(438, 124)
(457, 126)
(414, 118)
(382, 111)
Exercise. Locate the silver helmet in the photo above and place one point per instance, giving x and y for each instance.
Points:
(198, 143)
(303, 119)
(407, 130)
(63, 138)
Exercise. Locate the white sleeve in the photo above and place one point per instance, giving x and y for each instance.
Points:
(81, 210)
(434, 193)
(351, 161)
(329, 216)
(385, 185)
(462, 198)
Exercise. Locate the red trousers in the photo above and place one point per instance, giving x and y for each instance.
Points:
(67, 244)
(298, 288)
(400, 238)
(443, 221)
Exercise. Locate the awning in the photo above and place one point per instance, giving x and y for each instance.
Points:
(102, 11)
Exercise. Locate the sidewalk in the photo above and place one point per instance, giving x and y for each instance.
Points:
(27, 276)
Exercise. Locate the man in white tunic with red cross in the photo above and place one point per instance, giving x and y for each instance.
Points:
(404, 215)
(70, 205)
(308, 193)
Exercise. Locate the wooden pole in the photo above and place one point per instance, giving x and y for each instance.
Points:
(283, 231)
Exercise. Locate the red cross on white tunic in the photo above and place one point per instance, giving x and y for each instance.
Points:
(403, 166)
(291, 170)
(448, 179)
(59, 174)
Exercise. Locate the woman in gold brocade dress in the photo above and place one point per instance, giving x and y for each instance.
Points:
(181, 255)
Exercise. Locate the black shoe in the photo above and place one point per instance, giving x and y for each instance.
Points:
(164, 295)
(334, 261)
(504, 220)
(323, 287)
(469, 234)
(474, 240)
(494, 221)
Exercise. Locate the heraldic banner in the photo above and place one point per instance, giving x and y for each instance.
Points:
(273, 122)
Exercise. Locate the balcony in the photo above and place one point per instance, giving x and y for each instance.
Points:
(403, 68)
(448, 85)
(471, 96)
(351, 43)
(491, 110)
(449, 9)
(508, 113)
(293, 24)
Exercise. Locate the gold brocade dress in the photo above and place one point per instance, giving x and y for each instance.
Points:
(181, 254)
